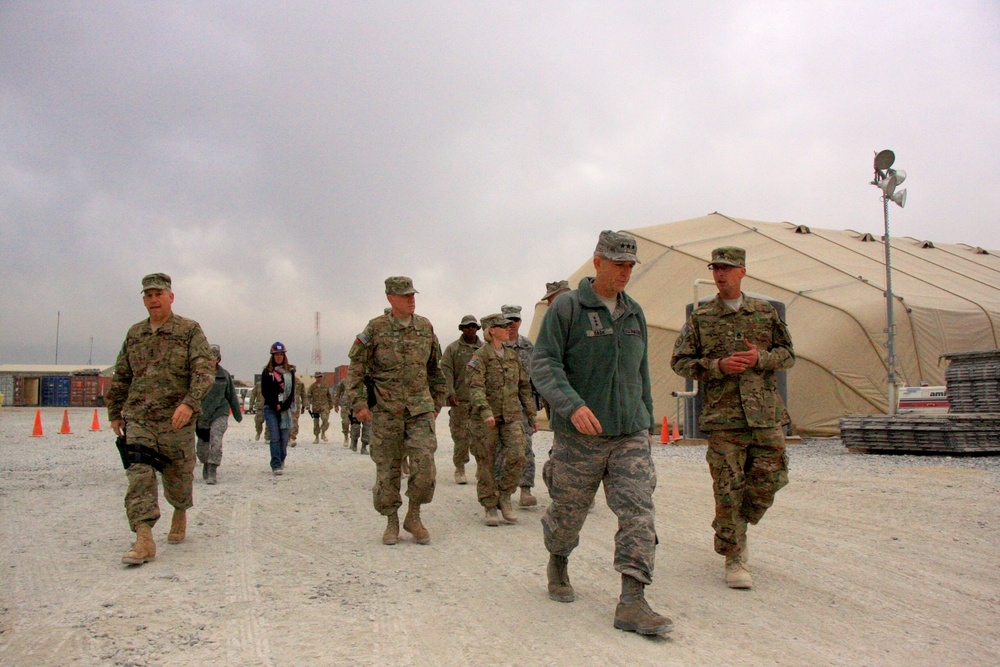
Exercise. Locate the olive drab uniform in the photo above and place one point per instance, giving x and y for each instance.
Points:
(342, 401)
(257, 408)
(499, 388)
(156, 371)
(402, 360)
(298, 405)
(453, 364)
(742, 413)
(524, 347)
(320, 403)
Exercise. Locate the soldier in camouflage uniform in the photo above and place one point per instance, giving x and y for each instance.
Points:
(257, 408)
(298, 407)
(219, 402)
(732, 346)
(591, 364)
(501, 397)
(320, 403)
(523, 347)
(162, 373)
(342, 404)
(453, 364)
(401, 355)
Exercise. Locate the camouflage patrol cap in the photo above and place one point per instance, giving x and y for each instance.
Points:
(156, 281)
(468, 321)
(729, 256)
(616, 246)
(318, 374)
(400, 285)
(216, 351)
(511, 312)
(551, 289)
(495, 320)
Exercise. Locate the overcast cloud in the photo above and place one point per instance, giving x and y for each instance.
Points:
(279, 159)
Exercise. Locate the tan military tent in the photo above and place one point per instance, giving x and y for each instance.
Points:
(833, 284)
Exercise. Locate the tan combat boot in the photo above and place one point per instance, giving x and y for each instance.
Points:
(316, 440)
(527, 500)
(178, 522)
(414, 526)
(560, 589)
(391, 534)
(506, 510)
(633, 613)
(737, 575)
(144, 549)
(460, 475)
(491, 517)
(211, 479)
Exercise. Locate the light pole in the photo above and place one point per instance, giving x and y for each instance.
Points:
(886, 179)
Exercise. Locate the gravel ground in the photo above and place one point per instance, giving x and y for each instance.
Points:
(863, 560)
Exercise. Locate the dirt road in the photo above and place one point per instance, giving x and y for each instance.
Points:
(862, 561)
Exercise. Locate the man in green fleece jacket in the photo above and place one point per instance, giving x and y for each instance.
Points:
(591, 364)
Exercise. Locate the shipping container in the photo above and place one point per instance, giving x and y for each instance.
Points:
(84, 390)
(55, 391)
(25, 391)
(7, 389)
(104, 383)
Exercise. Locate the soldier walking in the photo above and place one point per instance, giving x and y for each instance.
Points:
(401, 355)
(214, 419)
(342, 405)
(733, 346)
(257, 408)
(453, 364)
(162, 373)
(501, 399)
(523, 347)
(591, 364)
(320, 404)
(298, 407)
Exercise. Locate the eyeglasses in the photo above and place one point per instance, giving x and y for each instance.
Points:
(514, 319)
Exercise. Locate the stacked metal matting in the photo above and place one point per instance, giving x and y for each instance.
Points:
(972, 426)
(916, 434)
(974, 381)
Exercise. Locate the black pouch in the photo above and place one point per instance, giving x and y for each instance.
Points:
(203, 433)
(132, 454)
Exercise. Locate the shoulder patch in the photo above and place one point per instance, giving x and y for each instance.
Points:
(474, 363)
(363, 339)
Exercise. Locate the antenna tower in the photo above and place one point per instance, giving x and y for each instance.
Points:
(317, 358)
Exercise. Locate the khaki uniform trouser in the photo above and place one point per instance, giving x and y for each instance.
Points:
(748, 467)
(393, 437)
(141, 498)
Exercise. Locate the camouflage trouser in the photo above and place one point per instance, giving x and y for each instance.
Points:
(321, 423)
(463, 432)
(576, 467)
(345, 421)
(362, 430)
(748, 467)
(211, 451)
(141, 498)
(393, 437)
(293, 432)
(501, 447)
(258, 420)
(528, 476)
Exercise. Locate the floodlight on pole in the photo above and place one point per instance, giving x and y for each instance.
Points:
(886, 180)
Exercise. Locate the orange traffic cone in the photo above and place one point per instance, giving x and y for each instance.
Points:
(65, 424)
(665, 432)
(677, 432)
(37, 432)
(96, 426)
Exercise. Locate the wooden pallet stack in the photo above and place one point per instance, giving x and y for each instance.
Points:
(972, 426)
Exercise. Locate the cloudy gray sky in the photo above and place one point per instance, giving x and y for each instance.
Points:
(279, 159)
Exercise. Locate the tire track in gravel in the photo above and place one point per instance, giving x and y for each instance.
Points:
(247, 634)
